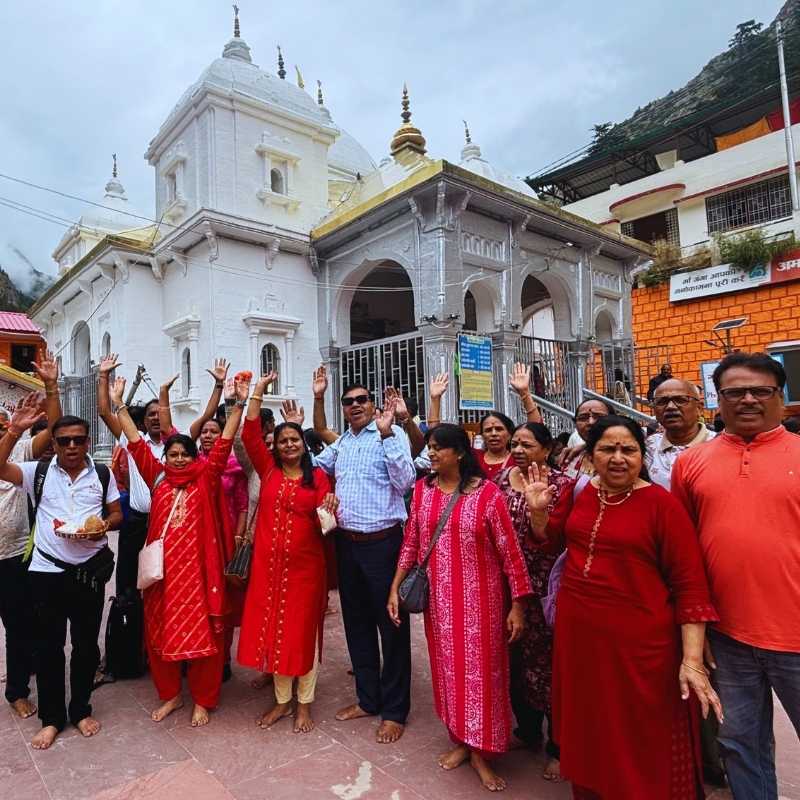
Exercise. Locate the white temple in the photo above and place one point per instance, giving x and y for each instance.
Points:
(278, 242)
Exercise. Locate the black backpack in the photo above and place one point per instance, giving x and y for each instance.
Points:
(124, 640)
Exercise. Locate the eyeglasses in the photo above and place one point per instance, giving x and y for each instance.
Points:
(361, 399)
(736, 393)
(678, 399)
(587, 415)
(66, 441)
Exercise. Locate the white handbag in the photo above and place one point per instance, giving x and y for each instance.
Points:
(151, 557)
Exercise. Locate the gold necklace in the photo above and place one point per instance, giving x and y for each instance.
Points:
(602, 495)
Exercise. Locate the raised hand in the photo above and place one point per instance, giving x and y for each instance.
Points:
(167, 385)
(439, 384)
(264, 382)
(319, 383)
(47, 369)
(117, 391)
(538, 492)
(401, 410)
(27, 412)
(520, 380)
(385, 417)
(291, 412)
(241, 388)
(220, 370)
(108, 364)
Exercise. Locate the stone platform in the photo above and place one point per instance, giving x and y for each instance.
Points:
(133, 758)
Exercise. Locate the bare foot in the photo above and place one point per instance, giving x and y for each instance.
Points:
(352, 712)
(199, 716)
(44, 738)
(88, 726)
(489, 778)
(302, 721)
(454, 758)
(262, 681)
(389, 731)
(278, 712)
(165, 709)
(552, 770)
(23, 708)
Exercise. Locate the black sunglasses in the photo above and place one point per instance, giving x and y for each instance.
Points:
(66, 441)
(361, 399)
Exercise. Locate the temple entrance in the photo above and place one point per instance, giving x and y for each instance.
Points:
(382, 305)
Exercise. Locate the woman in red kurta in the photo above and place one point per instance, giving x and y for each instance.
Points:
(286, 595)
(184, 611)
(478, 580)
(630, 627)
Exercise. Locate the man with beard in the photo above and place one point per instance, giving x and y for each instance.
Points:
(676, 405)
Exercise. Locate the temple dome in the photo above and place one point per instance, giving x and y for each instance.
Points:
(472, 160)
(348, 155)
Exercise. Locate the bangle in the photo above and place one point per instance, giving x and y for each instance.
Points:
(219, 385)
(258, 397)
(13, 432)
(432, 420)
(241, 403)
(121, 406)
(703, 671)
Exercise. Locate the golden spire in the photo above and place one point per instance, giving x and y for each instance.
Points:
(407, 137)
(300, 82)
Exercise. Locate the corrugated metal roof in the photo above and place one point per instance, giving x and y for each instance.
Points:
(14, 321)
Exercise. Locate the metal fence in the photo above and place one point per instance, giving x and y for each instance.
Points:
(398, 361)
(79, 397)
(622, 361)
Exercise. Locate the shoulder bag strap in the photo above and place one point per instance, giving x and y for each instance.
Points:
(440, 526)
(178, 495)
(248, 531)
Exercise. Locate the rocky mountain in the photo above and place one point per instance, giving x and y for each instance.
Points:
(11, 298)
(28, 284)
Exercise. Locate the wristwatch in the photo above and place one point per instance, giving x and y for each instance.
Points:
(241, 403)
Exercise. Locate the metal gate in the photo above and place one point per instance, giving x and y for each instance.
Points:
(622, 361)
(79, 398)
(398, 361)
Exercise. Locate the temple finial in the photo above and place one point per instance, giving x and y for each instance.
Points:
(407, 139)
(300, 82)
(466, 132)
(406, 103)
(320, 99)
(236, 30)
(281, 70)
(114, 167)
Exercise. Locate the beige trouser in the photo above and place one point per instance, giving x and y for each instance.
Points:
(306, 686)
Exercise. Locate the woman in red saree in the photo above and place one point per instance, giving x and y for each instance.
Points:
(184, 611)
(478, 580)
(287, 592)
(630, 627)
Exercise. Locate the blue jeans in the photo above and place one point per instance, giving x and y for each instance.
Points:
(745, 678)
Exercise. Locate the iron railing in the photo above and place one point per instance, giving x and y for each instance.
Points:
(79, 397)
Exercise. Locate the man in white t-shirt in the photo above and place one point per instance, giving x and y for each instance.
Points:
(67, 576)
(15, 601)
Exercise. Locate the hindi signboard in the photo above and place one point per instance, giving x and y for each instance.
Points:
(709, 390)
(716, 280)
(475, 359)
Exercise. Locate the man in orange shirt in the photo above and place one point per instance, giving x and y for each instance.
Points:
(743, 491)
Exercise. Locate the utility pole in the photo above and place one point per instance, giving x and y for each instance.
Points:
(787, 121)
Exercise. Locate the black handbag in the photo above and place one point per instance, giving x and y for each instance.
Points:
(238, 568)
(414, 591)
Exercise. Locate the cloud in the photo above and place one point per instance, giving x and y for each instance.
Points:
(83, 80)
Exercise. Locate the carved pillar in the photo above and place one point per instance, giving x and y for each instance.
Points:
(504, 342)
(194, 371)
(289, 384)
(440, 346)
(255, 366)
(333, 408)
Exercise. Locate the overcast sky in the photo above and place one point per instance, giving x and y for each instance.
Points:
(80, 80)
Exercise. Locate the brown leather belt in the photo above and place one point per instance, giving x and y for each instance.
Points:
(375, 536)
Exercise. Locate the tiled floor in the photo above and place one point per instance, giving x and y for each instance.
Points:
(133, 758)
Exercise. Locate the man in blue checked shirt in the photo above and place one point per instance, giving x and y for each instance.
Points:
(372, 465)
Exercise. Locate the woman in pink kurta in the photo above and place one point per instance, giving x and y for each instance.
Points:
(478, 580)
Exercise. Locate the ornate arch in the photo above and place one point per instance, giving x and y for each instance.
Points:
(562, 296)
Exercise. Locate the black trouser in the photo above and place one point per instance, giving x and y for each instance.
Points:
(529, 719)
(15, 612)
(366, 571)
(132, 536)
(57, 597)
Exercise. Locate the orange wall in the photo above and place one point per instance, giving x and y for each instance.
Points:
(6, 340)
(773, 312)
